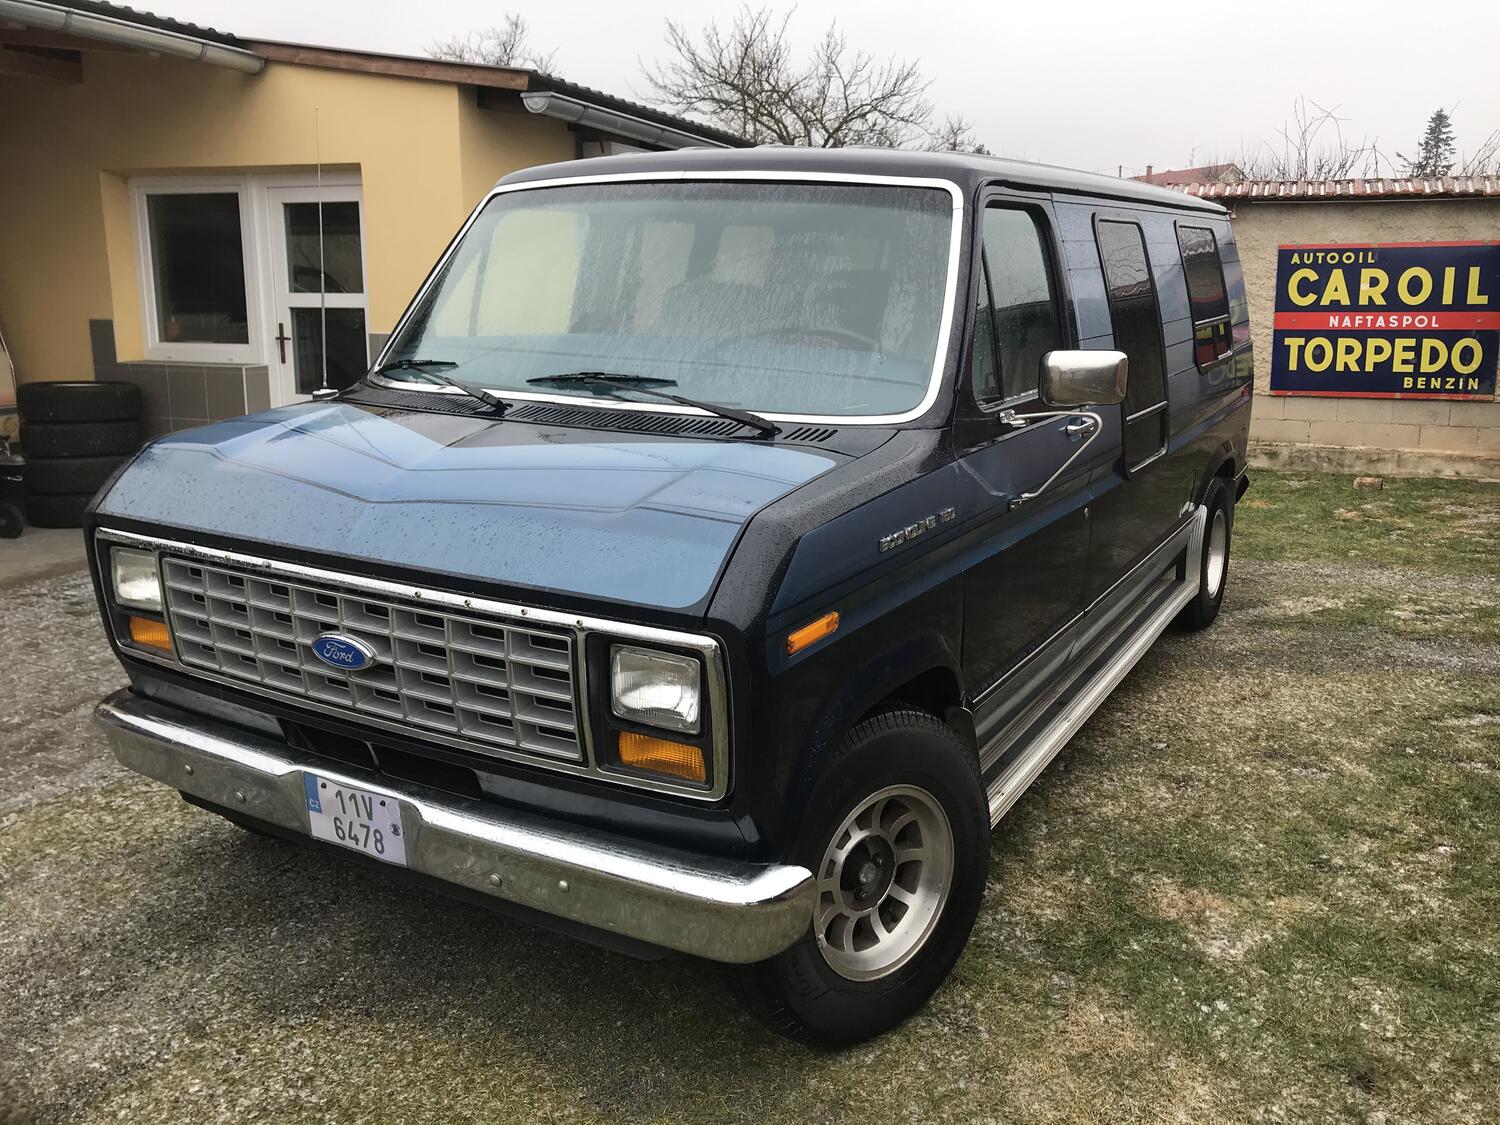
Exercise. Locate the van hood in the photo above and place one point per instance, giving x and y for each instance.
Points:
(647, 520)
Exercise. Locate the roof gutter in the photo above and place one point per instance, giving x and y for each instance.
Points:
(55, 17)
(575, 111)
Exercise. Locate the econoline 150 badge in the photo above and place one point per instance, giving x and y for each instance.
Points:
(339, 650)
(912, 530)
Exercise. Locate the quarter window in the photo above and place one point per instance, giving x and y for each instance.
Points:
(1021, 301)
(1207, 297)
(985, 368)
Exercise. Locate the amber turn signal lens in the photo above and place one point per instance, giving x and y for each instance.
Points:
(814, 631)
(661, 755)
(152, 634)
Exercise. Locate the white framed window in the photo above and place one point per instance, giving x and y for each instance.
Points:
(256, 269)
(199, 271)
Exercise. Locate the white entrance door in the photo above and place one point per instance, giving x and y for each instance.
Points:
(318, 280)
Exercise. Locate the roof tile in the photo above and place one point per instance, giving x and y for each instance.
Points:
(1385, 187)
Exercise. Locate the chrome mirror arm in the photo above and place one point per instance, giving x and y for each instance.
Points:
(1011, 418)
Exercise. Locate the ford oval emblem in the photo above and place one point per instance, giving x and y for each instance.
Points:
(339, 650)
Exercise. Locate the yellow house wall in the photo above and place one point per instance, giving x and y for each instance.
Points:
(425, 153)
(496, 142)
(1436, 427)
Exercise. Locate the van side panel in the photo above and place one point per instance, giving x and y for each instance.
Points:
(1240, 372)
(1211, 407)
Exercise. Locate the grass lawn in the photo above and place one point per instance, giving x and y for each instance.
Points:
(1262, 885)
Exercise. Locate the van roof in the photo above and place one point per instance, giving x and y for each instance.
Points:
(967, 170)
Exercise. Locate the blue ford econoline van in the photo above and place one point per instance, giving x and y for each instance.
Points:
(719, 547)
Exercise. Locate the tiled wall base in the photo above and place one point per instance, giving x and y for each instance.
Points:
(176, 396)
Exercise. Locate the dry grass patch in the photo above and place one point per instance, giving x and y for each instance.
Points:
(1097, 1064)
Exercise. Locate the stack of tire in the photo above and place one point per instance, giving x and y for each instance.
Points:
(75, 436)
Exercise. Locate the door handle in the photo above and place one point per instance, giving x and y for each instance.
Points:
(1080, 428)
(281, 338)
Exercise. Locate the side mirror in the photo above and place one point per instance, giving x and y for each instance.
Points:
(1083, 378)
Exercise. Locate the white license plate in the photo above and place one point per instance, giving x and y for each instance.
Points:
(353, 818)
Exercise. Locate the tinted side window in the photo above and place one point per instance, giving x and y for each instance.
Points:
(1023, 299)
(1239, 305)
(1206, 294)
(1137, 329)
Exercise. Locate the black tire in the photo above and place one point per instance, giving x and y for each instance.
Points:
(1213, 577)
(798, 993)
(57, 511)
(80, 439)
(103, 401)
(11, 522)
(52, 476)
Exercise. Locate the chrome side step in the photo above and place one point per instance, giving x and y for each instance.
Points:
(1082, 699)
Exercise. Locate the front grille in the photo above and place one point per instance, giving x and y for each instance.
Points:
(491, 683)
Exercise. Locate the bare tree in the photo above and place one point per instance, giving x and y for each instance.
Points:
(955, 134)
(506, 45)
(745, 79)
(1312, 147)
(1486, 158)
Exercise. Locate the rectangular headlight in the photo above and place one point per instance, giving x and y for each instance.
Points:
(657, 689)
(134, 578)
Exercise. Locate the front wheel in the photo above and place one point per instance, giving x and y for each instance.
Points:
(897, 837)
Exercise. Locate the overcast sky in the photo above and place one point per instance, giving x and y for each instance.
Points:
(1083, 83)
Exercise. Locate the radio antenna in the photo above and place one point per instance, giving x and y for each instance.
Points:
(322, 276)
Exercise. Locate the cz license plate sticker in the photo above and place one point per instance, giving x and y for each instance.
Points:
(354, 818)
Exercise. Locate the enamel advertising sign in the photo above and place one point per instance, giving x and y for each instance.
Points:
(1388, 320)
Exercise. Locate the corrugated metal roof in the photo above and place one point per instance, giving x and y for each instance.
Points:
(151, 19)
(1394, 187)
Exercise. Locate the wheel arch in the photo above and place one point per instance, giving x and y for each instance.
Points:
(922, 671)
(1222, 465)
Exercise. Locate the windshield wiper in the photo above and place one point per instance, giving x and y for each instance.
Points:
(420, 366)
(413, 365)
(647, 384)
(603, 377)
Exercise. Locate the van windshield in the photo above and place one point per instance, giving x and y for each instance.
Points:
(786, 298)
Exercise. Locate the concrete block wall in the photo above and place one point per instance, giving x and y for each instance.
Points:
(1464, 428)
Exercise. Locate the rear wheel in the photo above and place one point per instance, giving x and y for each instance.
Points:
(1213, 566)
(897, 837)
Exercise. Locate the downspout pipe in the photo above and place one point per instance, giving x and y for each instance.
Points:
(575, 111)
(42, 16)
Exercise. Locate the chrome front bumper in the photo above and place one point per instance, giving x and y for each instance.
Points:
(720, 909)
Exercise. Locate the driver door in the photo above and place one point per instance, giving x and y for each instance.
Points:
(1028, 585)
